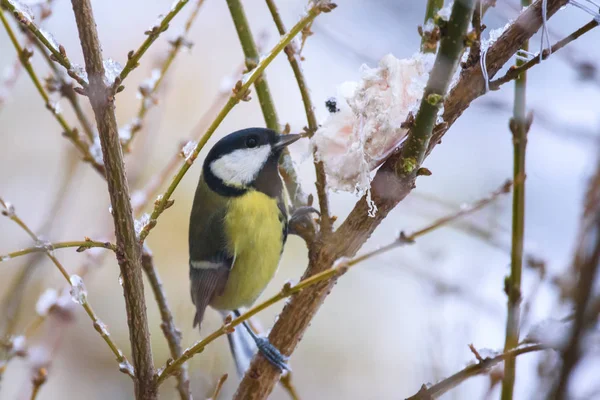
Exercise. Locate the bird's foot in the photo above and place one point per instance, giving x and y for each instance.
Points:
(272, 354)
(301, 223)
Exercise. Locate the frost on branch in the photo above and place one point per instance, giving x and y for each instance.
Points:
(46, 301)
(140, 224)
(112, 69)
(22, 12)
(364, 126)
(188, 150)
(78, 290)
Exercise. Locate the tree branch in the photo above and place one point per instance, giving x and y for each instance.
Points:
(585, 265)
(81, 245)
(71, 133)
(172, 334)
(519, 126)
(296, 316)
(293, 55)
(265, 99)
(240, 92)
(516, 71)
(8, 211)
(133, 58)
(58, 52)
(147, 93)
(340, 268)
(429, 38)
(479, 368)
(128, 248)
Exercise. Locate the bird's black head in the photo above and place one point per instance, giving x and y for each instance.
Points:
(246, 159)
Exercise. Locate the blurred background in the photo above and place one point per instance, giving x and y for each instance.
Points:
(391, 324)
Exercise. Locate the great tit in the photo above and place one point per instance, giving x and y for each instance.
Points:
(238, 227)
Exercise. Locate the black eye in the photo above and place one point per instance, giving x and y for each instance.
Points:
(251, 142)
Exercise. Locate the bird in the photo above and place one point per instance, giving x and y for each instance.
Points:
(237, 231)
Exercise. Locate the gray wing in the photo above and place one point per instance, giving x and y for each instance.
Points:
(210, 262)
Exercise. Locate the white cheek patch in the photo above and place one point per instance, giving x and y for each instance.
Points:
(240, 167)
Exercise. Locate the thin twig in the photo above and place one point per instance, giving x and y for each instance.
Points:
(391, 186)
(519, 126)
(293, 55)
(71, 133)
(58, 52)
(81, 245)
(474, 36)
(267, 105)
(585, 265)
(172, 334)
(240, 92)
(133, 58)
(13, 72)
(15, 293)
(430, 38)
(9, 212)
(65, 88)
(515, 71)
(218, 387)
(148, 92)
(340, 268)
(38, 380)
(128, 248)
(481, 367)
(286, 382)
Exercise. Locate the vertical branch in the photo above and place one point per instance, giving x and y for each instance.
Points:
(585, 265)
(265, 99)
(429, 38)
(172, 334)
(292, 53)
(251, 53)
(128, 247)
(519, 126)
(349, 237)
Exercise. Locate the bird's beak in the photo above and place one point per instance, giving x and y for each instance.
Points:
(286, 140)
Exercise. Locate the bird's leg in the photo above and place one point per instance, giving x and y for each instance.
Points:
(270, 352)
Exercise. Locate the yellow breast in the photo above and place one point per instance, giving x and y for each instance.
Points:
(254, 231)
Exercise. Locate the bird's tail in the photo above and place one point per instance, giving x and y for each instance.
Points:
(242, 346)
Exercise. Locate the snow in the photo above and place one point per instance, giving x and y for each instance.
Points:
(78, 290)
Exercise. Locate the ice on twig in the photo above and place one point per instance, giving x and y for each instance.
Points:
(79, 71)
(48, 36)
(126, 131)
(46, 301)
(445, 12)
(9, 210)
(96, 151)
(126, 368)
(140, 223)
(188, 151)
(101, 327)
(18, 345)
(45, 245)
(22, 12)
(78, 290)
(488, 353)
(149, 84)
(366, 121)
(112, 69)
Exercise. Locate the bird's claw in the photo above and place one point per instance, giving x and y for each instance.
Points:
(301, 223)
(272, 354)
